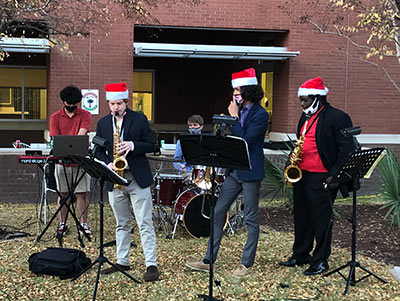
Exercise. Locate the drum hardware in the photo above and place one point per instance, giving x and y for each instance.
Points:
(167, 187)
(202, 178)
(202, 207)
(236, 220)
(204, 182)
(191, 209)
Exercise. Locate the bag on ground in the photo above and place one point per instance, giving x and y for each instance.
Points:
(62, 262)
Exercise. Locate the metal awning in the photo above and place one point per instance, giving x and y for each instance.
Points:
(212, 51)
(30, 45)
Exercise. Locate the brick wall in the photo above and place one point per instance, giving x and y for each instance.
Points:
(356, 87)
(94, 62)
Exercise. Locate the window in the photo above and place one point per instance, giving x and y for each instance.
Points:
(23, 93)
(143, 93)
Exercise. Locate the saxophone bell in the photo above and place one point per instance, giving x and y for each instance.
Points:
(120, 163)
(292, 174)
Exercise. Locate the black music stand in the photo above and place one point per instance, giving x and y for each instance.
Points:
(101, 171)
(215, 151)
(71, 188)
(359, 164)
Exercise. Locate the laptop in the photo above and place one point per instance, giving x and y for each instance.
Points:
(70, 145)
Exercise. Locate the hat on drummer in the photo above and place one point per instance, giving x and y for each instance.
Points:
(246, 77)
(313, 86)
(116, 91)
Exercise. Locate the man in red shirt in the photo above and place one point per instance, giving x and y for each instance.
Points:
(324, 150)
(71, 120)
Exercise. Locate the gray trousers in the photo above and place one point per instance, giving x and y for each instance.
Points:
(251, 195)
(142, 205)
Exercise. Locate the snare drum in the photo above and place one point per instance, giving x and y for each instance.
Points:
(168, 187)
(193, 209)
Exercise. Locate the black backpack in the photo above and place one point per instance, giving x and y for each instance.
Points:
(62, 262)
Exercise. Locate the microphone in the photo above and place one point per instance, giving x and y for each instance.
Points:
(351, 131)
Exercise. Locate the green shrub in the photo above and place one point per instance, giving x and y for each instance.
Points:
(390, 170)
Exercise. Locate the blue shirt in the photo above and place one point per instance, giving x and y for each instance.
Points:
(179, 155)
(244, 112)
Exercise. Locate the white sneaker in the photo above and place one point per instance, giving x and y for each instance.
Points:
(86, 229)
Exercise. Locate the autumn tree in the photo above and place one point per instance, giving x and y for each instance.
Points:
(58, 19)
(370, 26)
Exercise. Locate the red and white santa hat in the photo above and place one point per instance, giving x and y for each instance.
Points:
(246, 77)
(116, 91)
(313, 86)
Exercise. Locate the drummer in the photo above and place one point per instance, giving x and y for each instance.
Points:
(195, 126)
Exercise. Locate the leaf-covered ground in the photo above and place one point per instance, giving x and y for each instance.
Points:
(268, 281)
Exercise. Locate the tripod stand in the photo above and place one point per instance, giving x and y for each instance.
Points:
(214, 151)
(99, 170)
(359, 164)
(71, 188)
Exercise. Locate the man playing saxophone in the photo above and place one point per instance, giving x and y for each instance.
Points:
(129, 138)
(318, 154)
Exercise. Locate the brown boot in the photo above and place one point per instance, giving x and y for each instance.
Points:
(151, 274)
(113, 269)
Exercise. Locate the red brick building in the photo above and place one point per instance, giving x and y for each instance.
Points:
(172, 84)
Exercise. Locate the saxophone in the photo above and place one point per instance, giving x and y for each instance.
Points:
(119, 162)
(292, 173)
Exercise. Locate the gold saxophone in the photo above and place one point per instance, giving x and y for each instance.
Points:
(119, 162)
(292, 173)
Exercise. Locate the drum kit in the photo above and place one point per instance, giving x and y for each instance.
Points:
(177, 201)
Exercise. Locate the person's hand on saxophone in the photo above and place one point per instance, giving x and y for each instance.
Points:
(124, 148)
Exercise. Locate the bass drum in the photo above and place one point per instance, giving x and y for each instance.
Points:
(194, 215)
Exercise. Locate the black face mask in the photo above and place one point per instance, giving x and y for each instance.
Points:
(71, 109)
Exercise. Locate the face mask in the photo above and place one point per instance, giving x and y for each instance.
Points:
(195, 130)
(71, 109)
(313, 108)
(238, 99)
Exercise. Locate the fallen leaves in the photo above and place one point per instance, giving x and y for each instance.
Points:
(269, 281)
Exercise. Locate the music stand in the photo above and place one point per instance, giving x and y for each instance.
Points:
(101, 171)
(215, 151)
(63, 202)
(359, 164)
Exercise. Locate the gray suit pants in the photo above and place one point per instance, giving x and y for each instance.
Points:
(251, 194)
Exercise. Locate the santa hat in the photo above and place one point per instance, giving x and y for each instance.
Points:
(313, 86)
(246, 77)
(116, 91)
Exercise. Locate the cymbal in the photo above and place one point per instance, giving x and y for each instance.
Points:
(164, 158)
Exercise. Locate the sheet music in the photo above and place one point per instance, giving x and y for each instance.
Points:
(111, 170)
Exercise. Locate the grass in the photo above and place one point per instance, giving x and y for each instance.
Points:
(268, 281)
(375, 199)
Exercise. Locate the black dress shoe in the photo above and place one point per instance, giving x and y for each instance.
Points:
(112, 269)
(317, 268)
(293, 262)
